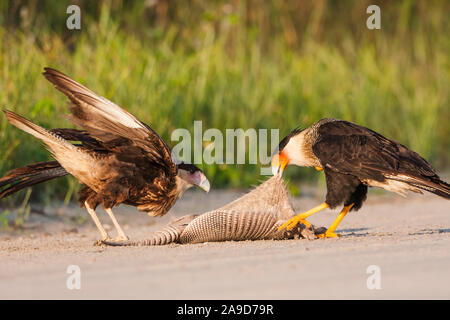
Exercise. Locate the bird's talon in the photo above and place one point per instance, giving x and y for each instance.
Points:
(101, 242)
(328, 235)
(289, 225)
(305, 223)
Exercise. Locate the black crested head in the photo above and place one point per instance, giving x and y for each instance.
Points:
(286, 139)
(191, 168)
(192, 174)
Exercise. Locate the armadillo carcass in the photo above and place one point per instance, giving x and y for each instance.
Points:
(256, 215)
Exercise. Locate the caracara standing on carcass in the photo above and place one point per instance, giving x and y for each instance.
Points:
(118, 158)
(353, 158)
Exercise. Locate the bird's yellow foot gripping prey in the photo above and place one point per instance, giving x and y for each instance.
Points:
(353, 158)
(301, 218)
(280, 162)
(330, 231)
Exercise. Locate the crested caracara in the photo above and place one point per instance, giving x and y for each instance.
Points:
(353, 158)
(117, 158)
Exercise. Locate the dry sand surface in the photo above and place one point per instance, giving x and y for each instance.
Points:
(409, 239)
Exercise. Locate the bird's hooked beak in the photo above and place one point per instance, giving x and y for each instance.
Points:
(279, 162)
(204, 183)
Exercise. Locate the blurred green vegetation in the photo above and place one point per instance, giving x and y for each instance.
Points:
(231, 64)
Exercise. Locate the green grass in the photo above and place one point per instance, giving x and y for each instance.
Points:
(396, 83)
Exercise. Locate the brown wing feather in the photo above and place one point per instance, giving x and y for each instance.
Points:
(355, 150)
(351, 148)
(82, 136)
(108, 123)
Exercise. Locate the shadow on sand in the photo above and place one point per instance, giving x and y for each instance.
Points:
(430, 231)
(353, 232)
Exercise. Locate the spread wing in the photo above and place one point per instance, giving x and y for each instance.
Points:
(351, 149)
(81, 136)
(106, 122)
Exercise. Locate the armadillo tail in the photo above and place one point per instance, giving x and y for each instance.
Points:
(159, 238)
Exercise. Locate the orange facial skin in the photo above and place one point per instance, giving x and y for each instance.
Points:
(279, 162)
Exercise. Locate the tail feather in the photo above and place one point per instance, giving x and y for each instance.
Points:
(50, 138)
(75, 160)
(30, 175)
(431, 184)
(438, 187)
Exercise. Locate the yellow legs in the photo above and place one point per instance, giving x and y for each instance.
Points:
(301, 218)
(291, 223)
(330, 231)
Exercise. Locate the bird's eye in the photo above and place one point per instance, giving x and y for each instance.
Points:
(192, 171)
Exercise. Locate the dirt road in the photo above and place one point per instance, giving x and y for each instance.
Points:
(407, 239)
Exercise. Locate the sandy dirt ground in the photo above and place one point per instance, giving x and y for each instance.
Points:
(408, 239)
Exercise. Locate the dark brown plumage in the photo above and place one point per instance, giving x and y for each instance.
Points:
(354, 157)
(118, 158)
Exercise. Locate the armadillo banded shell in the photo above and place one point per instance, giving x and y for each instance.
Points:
(227, 225)
(254, 216)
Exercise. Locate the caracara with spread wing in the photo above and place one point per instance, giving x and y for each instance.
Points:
(117, 158)
(354, 157)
